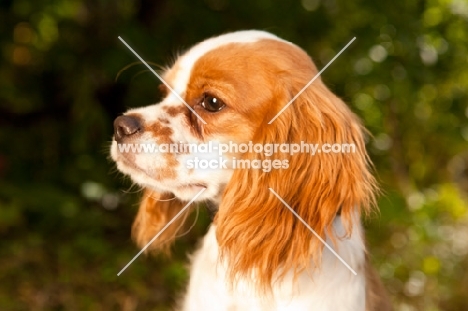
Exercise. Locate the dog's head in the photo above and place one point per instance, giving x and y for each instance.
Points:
(233, 86)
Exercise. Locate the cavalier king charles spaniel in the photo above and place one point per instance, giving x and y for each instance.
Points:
(258, 254)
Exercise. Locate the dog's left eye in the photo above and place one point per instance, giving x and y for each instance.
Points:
(211, 103)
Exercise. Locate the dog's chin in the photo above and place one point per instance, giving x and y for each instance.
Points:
(183, 190)
(186, 191)
(189, 191)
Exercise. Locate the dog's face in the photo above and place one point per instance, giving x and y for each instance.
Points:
(232, 84)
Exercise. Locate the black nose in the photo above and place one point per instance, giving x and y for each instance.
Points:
(125, 126)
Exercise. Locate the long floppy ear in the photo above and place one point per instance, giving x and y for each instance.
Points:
(258, 235)
(156, 210)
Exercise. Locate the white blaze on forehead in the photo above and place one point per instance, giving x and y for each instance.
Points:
(187, 61)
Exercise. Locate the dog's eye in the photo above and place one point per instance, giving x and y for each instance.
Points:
(211, 103)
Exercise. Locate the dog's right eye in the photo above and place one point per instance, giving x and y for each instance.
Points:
(211, 103)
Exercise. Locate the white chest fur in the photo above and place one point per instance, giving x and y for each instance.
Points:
(333, 287)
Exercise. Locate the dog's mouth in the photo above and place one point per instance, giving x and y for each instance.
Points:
(192, 186)
(124, 159)
(128, 166)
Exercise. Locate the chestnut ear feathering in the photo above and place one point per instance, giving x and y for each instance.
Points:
(258, 236)
(155, 211)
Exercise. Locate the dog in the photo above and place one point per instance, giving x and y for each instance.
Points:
(286, 232)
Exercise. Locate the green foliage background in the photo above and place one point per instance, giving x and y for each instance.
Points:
(65, 214)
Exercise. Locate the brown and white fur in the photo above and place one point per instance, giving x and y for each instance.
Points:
(257, 255)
